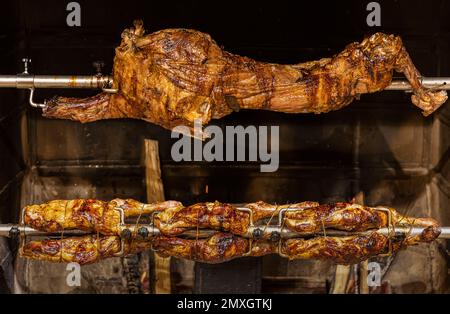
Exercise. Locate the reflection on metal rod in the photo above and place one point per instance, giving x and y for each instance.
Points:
(8, 229)
(445, 233)
(55, 81)
(438, 83)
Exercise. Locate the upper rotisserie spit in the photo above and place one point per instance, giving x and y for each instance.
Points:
(175, 76)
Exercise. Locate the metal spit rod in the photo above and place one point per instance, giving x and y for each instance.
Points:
(5, 231)
(288, 234)
(25, 80)
(439, 83)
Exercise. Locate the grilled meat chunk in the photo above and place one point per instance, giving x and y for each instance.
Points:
(89, 215)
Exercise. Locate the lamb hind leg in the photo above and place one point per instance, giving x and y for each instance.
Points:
(89, 109)
(426, 99)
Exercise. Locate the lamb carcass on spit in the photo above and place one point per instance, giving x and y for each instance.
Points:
(174, 76)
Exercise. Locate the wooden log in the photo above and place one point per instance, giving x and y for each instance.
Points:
(155, 193)
(346, 280)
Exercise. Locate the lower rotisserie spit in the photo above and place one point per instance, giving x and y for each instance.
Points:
(86, 231)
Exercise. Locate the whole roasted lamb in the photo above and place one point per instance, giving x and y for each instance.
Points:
(174, 76)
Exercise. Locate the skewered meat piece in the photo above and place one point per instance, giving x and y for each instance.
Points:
(352, 249)
(223, 246)
(82, 250)
(347, 217)
(341, 250)
(174, 76)
(219, 248)
(89, 215)
(219, 216)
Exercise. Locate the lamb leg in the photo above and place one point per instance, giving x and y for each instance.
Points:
(99, 107)
(426, 99)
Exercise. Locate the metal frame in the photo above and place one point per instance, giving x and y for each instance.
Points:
(121, 225)
(391, 230)
(250, 226)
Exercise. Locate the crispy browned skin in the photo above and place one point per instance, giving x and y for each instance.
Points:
(223, 247)
(89, 215)
(340, 216)
(174, 76)
(342, 250)
(215, 215)
(82, 250)
(230, 240)
(219, 248)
